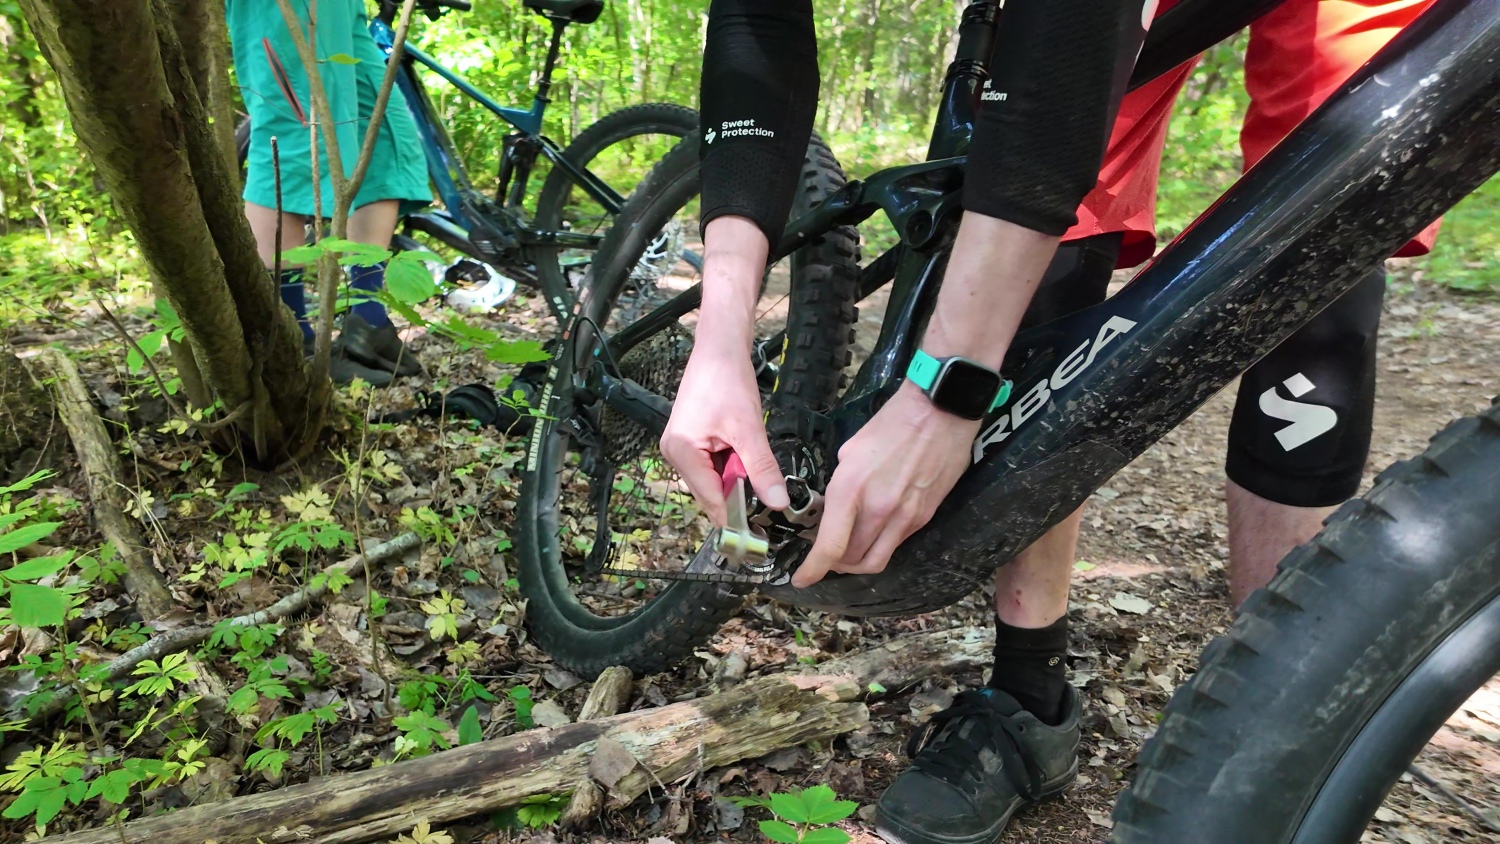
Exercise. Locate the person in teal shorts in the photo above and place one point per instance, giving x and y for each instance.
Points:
(276, 95)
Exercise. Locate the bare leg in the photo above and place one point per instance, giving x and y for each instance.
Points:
(1261, 532)
(263, 224)
(1032, 590)
(374, 223)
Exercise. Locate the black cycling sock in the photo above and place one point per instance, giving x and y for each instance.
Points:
(1031, 665)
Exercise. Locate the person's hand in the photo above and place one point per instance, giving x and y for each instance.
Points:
(891, 477)
(717, 409)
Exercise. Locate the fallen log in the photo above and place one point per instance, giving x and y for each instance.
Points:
(670, 741)
(647, 748)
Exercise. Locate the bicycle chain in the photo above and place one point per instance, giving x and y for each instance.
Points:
(773, 576)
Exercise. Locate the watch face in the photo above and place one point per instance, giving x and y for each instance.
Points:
(965, 389)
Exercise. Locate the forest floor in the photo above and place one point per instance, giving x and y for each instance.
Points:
(1150, 594)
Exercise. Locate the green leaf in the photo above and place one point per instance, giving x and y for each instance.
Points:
(38, 568)
(268, 759)
(37, 606)
(469, 731)
(409, 280)
(244, 700)
(134, 363)
(343, 58)
(23, 536)
(789, 807)
(516, 351)
(875, 688)
(114, 786)
(302, 254)
(779, 831)
(351, 252)
(151, 343)
(823, 806)
(27, 482)
(826, 835)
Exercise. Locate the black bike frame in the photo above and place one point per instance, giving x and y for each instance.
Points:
(1408, 136)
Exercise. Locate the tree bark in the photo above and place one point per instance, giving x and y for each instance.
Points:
(136, 110)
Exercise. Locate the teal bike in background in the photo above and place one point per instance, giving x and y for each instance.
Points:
(585, 188)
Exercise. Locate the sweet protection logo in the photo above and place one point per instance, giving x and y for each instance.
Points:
(1309, 421)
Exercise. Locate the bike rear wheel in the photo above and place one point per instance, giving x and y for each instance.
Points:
(619, 148)
(585, 460)
(1301, 719)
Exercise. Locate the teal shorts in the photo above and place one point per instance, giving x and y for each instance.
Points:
(351, 67)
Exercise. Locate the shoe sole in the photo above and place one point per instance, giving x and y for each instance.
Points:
(896, 833)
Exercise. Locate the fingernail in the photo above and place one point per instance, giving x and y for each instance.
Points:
(777, 498)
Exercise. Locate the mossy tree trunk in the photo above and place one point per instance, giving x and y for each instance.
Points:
(134, 74)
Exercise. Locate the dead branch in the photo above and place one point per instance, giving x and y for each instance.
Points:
(174, 641)
(96, 456)
(101, 471)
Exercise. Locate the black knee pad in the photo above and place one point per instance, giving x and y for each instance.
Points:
(1300, 434)
(1077, 278)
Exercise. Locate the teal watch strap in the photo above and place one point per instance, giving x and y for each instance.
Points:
(1002, 396)
(923, 371)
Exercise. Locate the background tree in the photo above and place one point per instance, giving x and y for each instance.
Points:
(141, 79)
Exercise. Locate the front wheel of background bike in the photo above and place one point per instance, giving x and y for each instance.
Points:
(586, 460)
(1301, 719)
(620, 148)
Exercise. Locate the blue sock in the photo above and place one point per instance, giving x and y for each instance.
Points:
(370, 279)
(294, 295)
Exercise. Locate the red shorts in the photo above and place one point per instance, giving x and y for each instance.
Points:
(1299, 54)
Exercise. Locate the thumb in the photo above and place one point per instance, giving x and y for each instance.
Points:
(765, 473)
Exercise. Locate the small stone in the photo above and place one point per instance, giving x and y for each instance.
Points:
(549, 714)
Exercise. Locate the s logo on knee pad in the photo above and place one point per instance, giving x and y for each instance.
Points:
(1308, 420)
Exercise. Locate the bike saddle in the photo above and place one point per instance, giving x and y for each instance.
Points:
(572, 11)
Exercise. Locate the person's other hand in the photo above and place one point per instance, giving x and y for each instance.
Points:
(717, 409)
(891, 477)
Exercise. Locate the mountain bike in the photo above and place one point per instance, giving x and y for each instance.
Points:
(1301, 718)
(582, 193)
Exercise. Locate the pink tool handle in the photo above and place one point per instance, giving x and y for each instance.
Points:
(731, 470)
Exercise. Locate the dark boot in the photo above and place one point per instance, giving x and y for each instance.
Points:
(377, 348)
(974, 764)
(342, 370)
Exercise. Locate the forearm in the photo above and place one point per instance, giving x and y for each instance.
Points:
(994, 271)
(758, 98)
(734, 261)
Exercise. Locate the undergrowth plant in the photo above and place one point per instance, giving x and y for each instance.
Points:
(804, 817)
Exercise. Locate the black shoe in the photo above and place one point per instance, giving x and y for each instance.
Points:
(342, 370)
(974, 764)
(377, 348)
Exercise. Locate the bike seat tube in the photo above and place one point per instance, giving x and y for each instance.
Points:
(961, 86)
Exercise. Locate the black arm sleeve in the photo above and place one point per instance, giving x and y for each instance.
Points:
(758, 100)
(1059, 71)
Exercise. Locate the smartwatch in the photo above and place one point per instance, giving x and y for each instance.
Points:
(958, 385)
